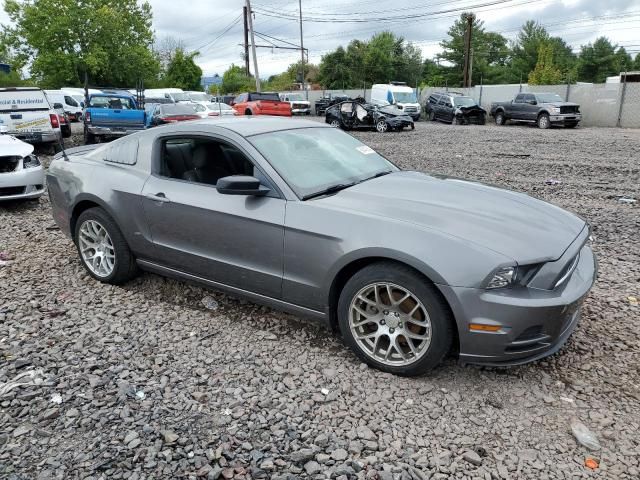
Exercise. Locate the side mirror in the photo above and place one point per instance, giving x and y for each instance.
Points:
(532, 102)
(241, 185)
(57, 106)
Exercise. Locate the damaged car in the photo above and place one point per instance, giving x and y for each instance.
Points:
(454, 108)
(21, 173)
(357, 114)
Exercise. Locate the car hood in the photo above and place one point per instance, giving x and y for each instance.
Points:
(514, 224)
(392, 111)
(12, 147)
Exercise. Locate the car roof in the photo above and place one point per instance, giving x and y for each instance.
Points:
(245, 126)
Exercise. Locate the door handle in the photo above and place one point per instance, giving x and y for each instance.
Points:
(158, 197)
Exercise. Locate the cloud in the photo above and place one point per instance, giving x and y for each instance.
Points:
(200, 23)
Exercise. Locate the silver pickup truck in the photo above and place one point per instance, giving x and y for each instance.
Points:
(544, 109)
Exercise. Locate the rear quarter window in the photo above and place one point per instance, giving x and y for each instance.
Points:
(123, 152)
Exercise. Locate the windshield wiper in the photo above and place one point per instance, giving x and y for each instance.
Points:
(331, 189)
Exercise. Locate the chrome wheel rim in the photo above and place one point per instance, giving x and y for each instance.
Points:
(335, 123)
(544, 122)
(390, 324)
(96, 248)
(499, 119)
(382, 126)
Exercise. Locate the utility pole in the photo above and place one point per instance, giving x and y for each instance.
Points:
(466, 77)
(246, 42)
(302, 52)
(253, 46)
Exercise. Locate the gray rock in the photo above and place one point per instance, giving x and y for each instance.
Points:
(472, 457)
(339, 454)
(312, 467)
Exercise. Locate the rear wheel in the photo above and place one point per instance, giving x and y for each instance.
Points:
(432, 116)
(543, 121)
(335, 123)
(89, 138)
(102, 248)
(248, 112)
(394, 319)
(499, 118)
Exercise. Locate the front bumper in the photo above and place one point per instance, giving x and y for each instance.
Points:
(396, 122)
(564, 118)
(112, 131)
(535, 322)
(301, 111)
(22, 184)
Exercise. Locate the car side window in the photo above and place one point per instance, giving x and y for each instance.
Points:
(204, 160)
(519, 98)
(433, 99)
(529, 98)
(443, 101)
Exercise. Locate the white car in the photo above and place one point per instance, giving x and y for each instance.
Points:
(199, 97)
(219, 109)
(299, 106)
(21, 173)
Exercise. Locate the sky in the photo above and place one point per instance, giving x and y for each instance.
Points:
(214, 27)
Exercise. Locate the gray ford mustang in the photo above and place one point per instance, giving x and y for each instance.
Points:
(305, 218)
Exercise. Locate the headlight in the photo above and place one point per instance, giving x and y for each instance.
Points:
(419, 107)
(513, 276)
(502, 278)
(30, 161)
(555, 110)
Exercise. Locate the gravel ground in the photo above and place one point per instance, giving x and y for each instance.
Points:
(145, 381)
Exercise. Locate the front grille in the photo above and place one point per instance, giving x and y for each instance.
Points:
(411, 109)
(8, 191)
(300, 105)
(570, 109)
(9, 164)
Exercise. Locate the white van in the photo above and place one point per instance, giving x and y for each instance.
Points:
(72, 107)
(28, 116)
(398, 94)
(175, 94)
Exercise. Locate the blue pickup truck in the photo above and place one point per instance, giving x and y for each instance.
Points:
(111, 115)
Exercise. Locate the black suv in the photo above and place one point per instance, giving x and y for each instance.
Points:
(455, 108)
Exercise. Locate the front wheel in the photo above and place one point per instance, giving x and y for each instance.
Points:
(455, 121)
(395, 320)
(543, 121)
(102, 248)
(499, 118)
(382, 126)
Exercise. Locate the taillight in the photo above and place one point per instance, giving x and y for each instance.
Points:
(87, 117)
(55, 121)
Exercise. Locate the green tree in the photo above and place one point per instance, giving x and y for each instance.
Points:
(383, 58)
(182, 71)
(526, 47)
(235, 80)
(289, 79)
(636, 62)
(545, 72)
(60, 40)
(600, 60)
(490, 53)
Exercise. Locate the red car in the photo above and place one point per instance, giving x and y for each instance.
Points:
(261, 103)
(172, 113)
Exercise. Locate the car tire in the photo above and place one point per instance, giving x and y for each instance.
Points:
(335, 123)
(500, 119)
(382, 126)
(424, 299)
(248, 112)
(455, 121)
(123, 266)
(483, 120)
(89, 138)
(543, 121)
(432, 116)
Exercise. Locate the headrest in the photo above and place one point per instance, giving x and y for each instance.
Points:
(200, 156)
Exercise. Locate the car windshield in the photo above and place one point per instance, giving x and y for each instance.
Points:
(180, 97)
(114, 103)
(177, 109)
(218, 106)
(199, 97)
(464, 102)
(548, 97)
(405, 97)
(295, 97)
(312, 160)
